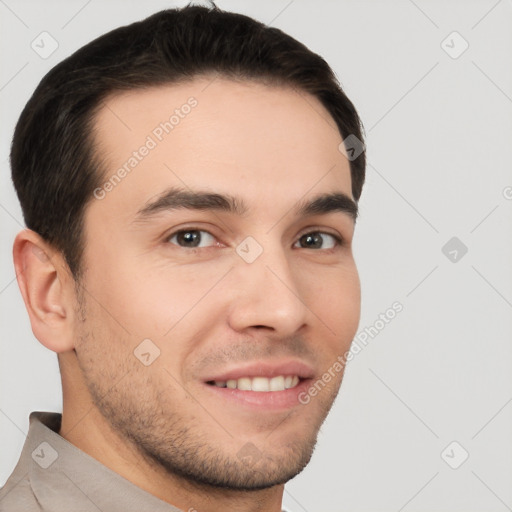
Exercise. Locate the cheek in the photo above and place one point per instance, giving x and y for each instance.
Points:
(157, 301)
(335, 297)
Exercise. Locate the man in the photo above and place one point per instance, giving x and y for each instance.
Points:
(190, 197)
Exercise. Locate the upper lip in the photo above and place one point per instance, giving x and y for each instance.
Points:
(265, 369)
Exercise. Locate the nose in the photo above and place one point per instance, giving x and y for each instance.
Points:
(267, 294)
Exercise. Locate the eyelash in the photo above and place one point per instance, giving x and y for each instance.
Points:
(339, 242)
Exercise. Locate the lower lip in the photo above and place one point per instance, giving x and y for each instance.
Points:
(271, 400)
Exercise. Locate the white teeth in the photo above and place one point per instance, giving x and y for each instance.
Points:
(262, 384)
(244, 384)
(277, 383)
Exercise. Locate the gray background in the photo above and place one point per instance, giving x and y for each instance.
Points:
(439, 133)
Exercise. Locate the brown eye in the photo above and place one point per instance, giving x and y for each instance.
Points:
(191, 238)
(316, 240)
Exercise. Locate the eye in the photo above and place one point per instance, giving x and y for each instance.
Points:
(199, 238)
(315, 240)
(191, 238)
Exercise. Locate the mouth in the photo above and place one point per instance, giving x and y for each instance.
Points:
(259, 384)
(262, 386)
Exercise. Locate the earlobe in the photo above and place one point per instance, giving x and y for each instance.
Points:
(47, 289)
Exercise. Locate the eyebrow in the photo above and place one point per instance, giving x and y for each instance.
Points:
(178, 199)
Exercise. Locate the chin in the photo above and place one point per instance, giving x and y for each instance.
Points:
(247, 470)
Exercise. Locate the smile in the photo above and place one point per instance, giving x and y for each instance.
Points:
(261, 384)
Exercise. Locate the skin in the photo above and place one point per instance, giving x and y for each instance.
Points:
(205, 309)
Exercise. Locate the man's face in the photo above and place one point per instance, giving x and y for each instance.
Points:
(219, 310)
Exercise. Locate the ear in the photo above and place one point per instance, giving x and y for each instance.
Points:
(47, 287)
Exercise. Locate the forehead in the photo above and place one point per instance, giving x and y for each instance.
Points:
(270, 144)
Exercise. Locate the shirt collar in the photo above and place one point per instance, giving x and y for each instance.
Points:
(64, 477)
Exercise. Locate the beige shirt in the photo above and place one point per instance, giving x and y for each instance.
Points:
(52, 475)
